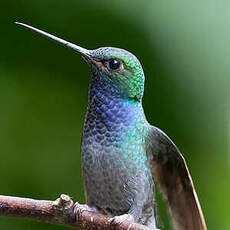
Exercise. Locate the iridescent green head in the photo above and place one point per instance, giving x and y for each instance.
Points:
(114, 66)
(119, 67)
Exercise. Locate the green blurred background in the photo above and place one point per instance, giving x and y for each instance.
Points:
(184, 48)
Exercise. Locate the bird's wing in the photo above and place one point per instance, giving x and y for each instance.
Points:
(171, 172)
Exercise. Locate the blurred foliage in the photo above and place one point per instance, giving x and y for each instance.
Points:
(185, 51)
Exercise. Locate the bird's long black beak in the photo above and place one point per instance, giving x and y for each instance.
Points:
(84, 52)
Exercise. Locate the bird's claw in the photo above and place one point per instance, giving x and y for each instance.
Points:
(84, 207)
(122, 218)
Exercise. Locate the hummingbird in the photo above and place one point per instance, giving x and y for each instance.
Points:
(123, 156)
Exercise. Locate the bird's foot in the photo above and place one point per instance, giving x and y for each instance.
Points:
(122, 218)
(84, 207)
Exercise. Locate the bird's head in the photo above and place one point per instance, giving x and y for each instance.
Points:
(118, 67)
(110, 65)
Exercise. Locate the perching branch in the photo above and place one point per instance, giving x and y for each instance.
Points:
(61, 211)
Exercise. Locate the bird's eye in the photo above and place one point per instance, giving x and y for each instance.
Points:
(114, 64)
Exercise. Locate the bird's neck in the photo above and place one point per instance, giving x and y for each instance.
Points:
(107, 108)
